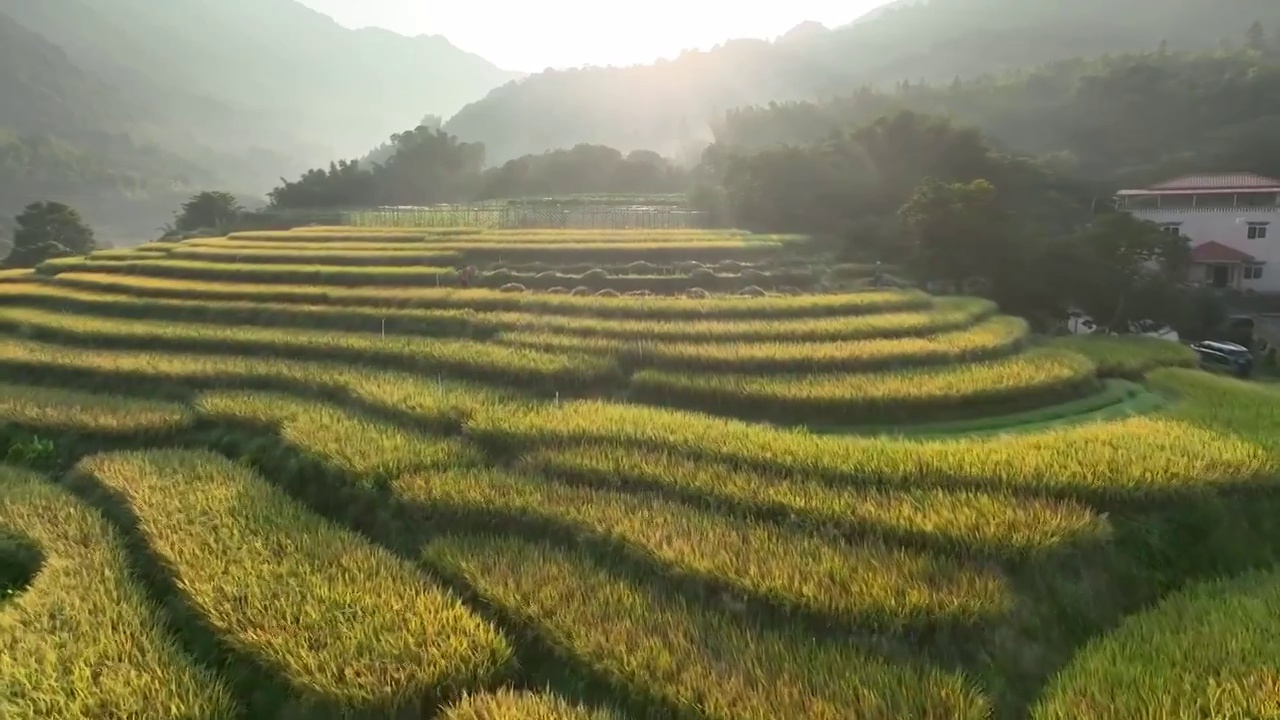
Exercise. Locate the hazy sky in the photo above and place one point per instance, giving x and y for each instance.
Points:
(531, 36)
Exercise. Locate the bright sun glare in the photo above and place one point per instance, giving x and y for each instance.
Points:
(571, 33)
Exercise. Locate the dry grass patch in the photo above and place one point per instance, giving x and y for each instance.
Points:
(83, 641)
(343, 623)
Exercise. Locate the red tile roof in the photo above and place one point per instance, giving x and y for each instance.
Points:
(1215, 252)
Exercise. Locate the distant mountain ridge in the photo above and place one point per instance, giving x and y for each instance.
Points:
(238, 92)
(668, 106)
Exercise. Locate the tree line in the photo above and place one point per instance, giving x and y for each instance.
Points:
(427, 166)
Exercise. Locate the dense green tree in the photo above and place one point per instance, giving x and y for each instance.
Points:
(957, 231)
(48, 230)
(209, 209)
(1125, 274)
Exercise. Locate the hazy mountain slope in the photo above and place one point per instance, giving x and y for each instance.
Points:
(276, 64)
(119, 102)
(660, 106)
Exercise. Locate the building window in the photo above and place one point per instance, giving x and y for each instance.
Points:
(1252, 272)
(1172, 230)
(1257, 232)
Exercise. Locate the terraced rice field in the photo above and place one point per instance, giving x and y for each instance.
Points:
(546, 475)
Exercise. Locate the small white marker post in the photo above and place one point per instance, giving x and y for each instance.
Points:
(384, 328)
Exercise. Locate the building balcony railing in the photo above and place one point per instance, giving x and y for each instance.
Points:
(1237, 210)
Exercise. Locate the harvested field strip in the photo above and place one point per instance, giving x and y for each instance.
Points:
(949, 314)
(1209, 651)
(327, 247)
(992, 338)
(273, 581)
(83, 641)
(68, 411)
(313, 257)
(510, 705)
(858, 303)
(285, 274)
(441, 405)
(1116, 399)
(961, 521)
(686, 656)
(458, 358)
(1033, 379)
(871, 583)
(1128, 357)
(369, 450)
(1127, 459)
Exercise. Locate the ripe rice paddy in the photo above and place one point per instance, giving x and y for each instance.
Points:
(309, 474)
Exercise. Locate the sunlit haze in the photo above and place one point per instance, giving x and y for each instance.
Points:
(570, 33)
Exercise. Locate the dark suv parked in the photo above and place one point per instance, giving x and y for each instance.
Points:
(1225, 357)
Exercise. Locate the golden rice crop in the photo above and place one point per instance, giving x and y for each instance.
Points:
(963, 519)
(1134, 456)
(514, 705)
(873, 582)
(949, 313)
(124, 254)
(430, 401)
(994, 337)
(1207, 652)
(467, 358)
(711, 663)
(343, 623)
(480, 299)
(363, 448)
(20, 275)
(264, 273)
(1128, 357)
(59, 410)
(83, 641)
(342, 234)
(327, 244)
(291, 257)
(1032, 379)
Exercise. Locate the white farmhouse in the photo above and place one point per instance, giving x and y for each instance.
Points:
(1230, 219)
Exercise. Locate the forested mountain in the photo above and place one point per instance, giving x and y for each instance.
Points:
(137, 97)
(1117, 119)
(667, 106)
